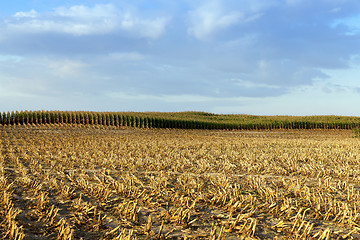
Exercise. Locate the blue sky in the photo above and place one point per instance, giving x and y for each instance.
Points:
(264, 57)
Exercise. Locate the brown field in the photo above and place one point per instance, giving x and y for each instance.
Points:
(96, 182)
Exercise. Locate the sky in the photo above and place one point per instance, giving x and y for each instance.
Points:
(262, 57)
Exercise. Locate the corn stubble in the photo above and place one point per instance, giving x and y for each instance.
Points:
(61, 181)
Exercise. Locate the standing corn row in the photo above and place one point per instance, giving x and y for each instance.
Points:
(141, 121)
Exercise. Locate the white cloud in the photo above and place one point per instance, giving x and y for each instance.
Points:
(126, 56)
(12, 85)
(293, 2)
(209, 18)
(213, 16)
(10, 58)
(66, 68)
(187, 98)
(82, 20)
(335, 10)
(258, 49)
(179, 98)
(144, 27)
(352, 23)
(31, 14)
(250, 84)
(83, 12)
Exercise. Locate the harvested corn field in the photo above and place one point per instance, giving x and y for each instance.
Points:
(63, 181)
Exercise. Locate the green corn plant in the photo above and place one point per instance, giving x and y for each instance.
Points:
(21, 117)
(57, 117)
(124, 120)
(31, 118)
(51, 117)
(81, 118)
(103, 117)
(16, 118)
(26, 117)
(151, 122)
(91, 118)
(127, 121)
(356, 132)
(8, 118)
(119, 116)
(64, 117)
(3, 118)
(116, 119)
(78, 118)
(96, 118)
(45, 117)
(136, 121)
(39, 117)
(107, 119)
(132, 121)
(111, 119)
(60, 117)
(71, 118)
(99, 119)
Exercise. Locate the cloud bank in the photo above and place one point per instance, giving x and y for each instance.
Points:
(82, 20)
(215, 49)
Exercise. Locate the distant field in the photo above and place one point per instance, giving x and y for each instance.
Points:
(66, 181)
(180, 120)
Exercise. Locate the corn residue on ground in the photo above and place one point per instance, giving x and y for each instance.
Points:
(62, 181)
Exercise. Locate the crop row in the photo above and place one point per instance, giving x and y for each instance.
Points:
(148, 120)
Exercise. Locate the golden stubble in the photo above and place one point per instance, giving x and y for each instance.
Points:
(90, 182)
